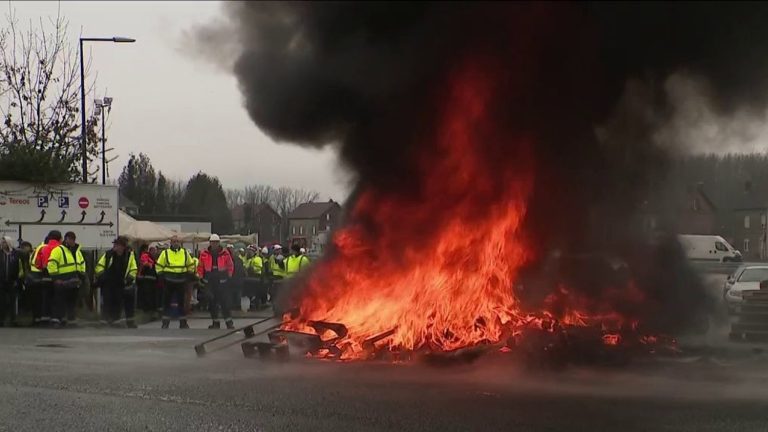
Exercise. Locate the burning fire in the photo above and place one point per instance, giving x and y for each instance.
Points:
(454, 289)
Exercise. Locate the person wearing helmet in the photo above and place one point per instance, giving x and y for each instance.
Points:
(256, 269)
(175, 267)
(277, 262)
(215, 269)
(296, 262)
(255, 264)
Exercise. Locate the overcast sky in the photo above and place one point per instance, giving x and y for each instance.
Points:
(183, 112)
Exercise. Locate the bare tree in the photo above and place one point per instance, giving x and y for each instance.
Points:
(283, 199)
(235, 197)
(258, 194)
(39, 103)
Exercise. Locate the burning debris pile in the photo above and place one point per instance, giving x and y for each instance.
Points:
(484, 138)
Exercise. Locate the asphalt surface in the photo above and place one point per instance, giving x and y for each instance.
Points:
(150, 379)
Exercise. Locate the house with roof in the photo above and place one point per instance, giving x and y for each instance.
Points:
(259, 219)
(747, 222)
(686, 210)
(310, 223)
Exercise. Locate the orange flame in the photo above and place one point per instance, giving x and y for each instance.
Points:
(454, 289)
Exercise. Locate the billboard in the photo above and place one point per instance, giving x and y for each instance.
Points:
(28, 212)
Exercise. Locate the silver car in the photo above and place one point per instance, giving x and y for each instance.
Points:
(745, 278)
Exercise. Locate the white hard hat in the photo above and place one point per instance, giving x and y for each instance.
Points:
(302, 250)
(264, 250)
(277, 247)
(214, 237)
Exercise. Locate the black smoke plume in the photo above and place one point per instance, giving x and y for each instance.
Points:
(582, 79)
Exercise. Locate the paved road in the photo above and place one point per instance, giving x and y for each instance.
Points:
(148, 379)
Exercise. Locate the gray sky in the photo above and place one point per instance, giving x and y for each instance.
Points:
(185, 113)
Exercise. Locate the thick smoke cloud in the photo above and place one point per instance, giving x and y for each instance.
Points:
(584, 81)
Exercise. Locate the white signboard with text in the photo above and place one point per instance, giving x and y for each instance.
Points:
(28, 212)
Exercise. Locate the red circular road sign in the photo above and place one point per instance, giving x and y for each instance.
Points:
(83, 202)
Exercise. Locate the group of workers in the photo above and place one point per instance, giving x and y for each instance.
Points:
(53, 274)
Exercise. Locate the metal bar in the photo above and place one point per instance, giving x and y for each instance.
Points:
(103, 149)
(248, 331)
(83, 138)
(62, 223)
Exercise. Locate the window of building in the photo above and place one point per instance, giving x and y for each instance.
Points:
(746, 221)
(328, 217)
(301, 229)
(293, 230)
(746, 245)
(695, 204)
(314, 229)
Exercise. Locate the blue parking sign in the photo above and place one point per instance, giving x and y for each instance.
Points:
(42, 201)
(63, 202)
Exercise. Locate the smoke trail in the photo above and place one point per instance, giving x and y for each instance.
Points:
(583, 81)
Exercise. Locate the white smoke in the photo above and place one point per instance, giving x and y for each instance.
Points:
(695, 126)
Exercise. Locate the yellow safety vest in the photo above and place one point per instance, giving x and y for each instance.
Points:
(178, 262)
(80, 261)
(295, 263)
(62, 262)
(196, 262)
(276, 270)
(256, 265)
(32, 267)
(130, 270)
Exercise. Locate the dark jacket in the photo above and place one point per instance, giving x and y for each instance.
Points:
(239, 272)
(10, 263)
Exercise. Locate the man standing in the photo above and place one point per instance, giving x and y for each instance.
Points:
(256, 270)
(296, 262)
(10, 279)
(192, 285)
(215, 268)
(237, 281)
(22, 288)
(277, 262)
(146, 279)
(45, 286)
(65, 265)
(175, 267)
(116, 273)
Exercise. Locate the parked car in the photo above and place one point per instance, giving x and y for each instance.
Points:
(708, 248)
(745, 278)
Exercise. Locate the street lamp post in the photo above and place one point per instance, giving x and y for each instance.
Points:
(103, 107)
(83, 137)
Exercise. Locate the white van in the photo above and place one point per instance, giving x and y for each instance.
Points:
(708, 248)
